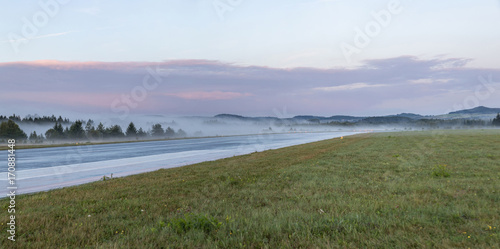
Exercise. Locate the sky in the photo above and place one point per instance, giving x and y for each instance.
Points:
(205, 57)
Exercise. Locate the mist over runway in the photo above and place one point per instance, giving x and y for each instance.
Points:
(43, 169)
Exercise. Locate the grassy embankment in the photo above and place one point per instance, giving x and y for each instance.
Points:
(387, 190)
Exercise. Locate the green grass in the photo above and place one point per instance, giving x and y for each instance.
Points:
(365, 191)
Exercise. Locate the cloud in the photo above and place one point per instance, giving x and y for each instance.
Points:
(192, 65)
(75, 99)
(422, 81)
(348, 87)
(429, 81)
(214, 95)
(211, 87)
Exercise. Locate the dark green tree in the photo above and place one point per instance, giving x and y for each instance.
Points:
(115, 131)
(169, 132)
(10, 130)
(496, 121)
(66, 132)
(15, 118)
(57, 132)
(131, 130)
(101, 129)
(181, 133)
(90, 130)
(89, 126)
(33, 136)
(94, 134)
(76, 131)
(59, 129)
(141, 133)
(51, 134)
(157, 131)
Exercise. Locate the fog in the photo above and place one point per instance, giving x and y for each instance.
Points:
(217, 126)
(226, 125)
(199, 126)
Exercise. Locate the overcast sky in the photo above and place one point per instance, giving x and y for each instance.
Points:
(204, 57)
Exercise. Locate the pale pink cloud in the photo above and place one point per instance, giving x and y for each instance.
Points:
(214, 95)
(229, 88)
(77, 65)
(123, 66)
(348, 87)
(101, 100)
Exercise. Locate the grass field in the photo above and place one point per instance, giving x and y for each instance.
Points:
(383, 190)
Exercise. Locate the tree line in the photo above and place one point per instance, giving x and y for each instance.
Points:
(35, 119)
(496, 121)
(80, 130)
(418, 123)
(77, 131)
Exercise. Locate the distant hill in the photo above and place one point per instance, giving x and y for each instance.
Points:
(408, 115)
(231, 116)
(478, 113)
(478, 110)
(251, 119)
(386, 120)
(338, 118)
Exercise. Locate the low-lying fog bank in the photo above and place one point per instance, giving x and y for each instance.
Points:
(154, 127)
